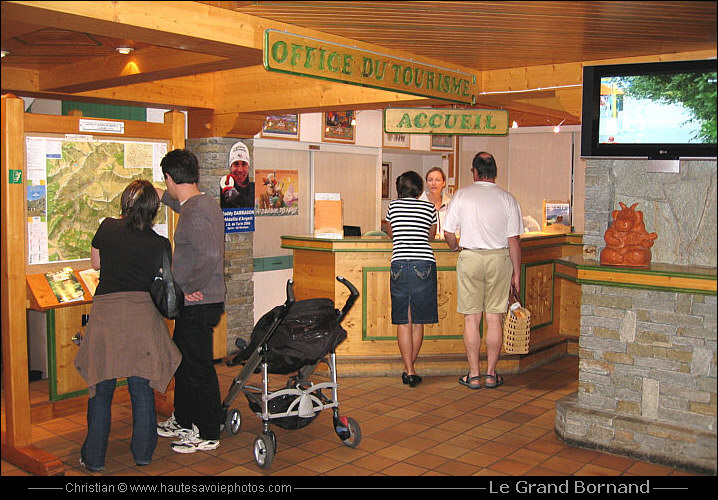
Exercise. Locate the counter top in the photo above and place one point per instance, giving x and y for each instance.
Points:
(383, 243)
(657, 276)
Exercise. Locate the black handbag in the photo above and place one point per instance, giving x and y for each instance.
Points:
(166, 294)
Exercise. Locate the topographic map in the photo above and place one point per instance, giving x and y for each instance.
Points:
(84, 185)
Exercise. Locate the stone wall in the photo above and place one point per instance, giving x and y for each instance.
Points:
(213, 154)
(680, 208)
(647, 369)
(647, 376)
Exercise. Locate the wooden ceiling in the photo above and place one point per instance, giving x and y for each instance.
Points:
(502, 34)
(206, 56)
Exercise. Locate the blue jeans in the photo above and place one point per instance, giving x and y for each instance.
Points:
(99, 417)
(413, 287)
(197, 397)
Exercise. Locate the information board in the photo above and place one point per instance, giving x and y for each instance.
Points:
(74, 182)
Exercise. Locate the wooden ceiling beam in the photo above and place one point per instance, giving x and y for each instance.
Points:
(144, 65)
(181, 25)
(253, 89)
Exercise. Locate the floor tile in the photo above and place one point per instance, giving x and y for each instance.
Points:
(438, 428)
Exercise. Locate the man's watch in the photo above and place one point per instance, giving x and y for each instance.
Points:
(457, 249)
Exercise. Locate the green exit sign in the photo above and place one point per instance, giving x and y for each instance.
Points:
(15, 176)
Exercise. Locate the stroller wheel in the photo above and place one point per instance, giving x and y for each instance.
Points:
(233, 422)
(264, 450)
(348, 431)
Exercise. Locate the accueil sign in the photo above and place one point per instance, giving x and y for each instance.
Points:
(446, 121)
(289, 53)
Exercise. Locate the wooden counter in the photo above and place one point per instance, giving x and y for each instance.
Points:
(371, 347)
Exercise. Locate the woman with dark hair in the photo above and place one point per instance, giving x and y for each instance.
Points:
(126, 337)
(412, 224)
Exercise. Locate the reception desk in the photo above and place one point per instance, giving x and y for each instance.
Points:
(371, 348)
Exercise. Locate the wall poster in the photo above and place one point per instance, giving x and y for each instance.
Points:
(278, 192)
(237, 192)
(281, 127)
(339, 126)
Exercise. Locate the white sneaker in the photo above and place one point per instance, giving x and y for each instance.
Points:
(191, 442)
(170, 428)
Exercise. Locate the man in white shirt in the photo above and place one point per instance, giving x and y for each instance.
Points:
(489, 263)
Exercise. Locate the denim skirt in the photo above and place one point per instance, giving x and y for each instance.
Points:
(413, 287)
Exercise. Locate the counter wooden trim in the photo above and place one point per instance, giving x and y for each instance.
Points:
(365, 261)
(658, 276)
(366, 336)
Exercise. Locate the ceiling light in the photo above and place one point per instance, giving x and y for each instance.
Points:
(4, 53)
(124, 50)
(557, 128)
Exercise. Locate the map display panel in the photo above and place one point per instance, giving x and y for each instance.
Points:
(73, 183)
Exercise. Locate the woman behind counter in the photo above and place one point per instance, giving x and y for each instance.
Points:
(412, 224)
(126, 336)
(435, 184)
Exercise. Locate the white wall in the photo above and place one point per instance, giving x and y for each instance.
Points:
(270, 290)
(534, 163)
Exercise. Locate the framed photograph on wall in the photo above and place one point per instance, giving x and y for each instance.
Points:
(385, 179)
(396, 140)
(556, 216)
(339, 126)
(442, 142)
(281, 127)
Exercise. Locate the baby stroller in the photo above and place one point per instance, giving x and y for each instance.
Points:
(293, 337)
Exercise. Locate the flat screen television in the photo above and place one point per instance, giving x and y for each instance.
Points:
(658, 111)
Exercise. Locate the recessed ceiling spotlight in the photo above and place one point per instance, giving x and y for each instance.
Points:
(124, 50)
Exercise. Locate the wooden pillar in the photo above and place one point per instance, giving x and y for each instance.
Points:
(17, 445)
(164, 402)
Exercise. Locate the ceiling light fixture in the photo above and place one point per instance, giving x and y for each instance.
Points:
(557, 128)
(536, 89)
(4, 53)
(124, 50)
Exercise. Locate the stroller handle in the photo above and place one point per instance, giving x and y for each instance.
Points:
(290, 293)
(354, 293)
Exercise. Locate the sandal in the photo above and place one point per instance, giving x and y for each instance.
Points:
(467, 379)
(498, 380)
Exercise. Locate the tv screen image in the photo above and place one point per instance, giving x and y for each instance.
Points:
(650, 110)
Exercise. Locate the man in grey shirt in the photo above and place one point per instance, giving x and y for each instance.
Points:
(198, 268)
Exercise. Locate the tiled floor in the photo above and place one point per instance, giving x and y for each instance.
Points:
(438, 428)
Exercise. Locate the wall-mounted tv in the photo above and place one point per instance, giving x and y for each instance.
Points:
(658, 111)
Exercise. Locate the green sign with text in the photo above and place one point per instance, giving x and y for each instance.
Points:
(288, 53)
(446, 121)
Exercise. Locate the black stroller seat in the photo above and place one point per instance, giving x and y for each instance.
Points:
(308, 332)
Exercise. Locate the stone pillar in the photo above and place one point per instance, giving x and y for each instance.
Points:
(213, 154)
(647, 369)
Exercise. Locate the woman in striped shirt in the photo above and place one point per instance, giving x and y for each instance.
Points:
(412, 224)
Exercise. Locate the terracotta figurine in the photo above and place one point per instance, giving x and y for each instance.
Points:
(627, 241)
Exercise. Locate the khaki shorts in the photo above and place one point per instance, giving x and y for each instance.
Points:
(483, 281)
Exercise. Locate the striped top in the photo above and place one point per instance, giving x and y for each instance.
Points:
(410, 220)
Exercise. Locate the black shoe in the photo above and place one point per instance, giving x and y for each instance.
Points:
(414, 380)
(405, 378)
(90, 468)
